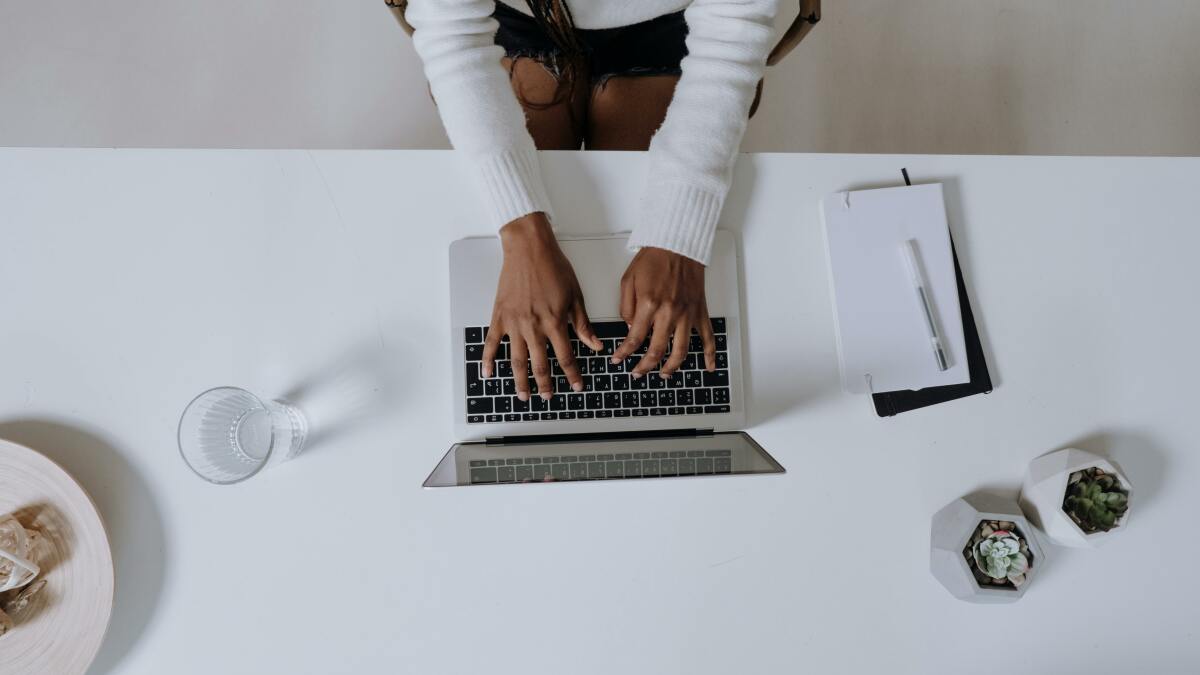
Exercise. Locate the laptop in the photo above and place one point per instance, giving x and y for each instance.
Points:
(618, 428)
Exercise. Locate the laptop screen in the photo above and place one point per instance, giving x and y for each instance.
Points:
(532, 461)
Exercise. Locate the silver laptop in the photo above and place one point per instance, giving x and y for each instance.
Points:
(619, 427)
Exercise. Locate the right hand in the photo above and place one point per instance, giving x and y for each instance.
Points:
(537, 296)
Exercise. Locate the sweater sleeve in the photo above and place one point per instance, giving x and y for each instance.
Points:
(692, 155)
(456, 41)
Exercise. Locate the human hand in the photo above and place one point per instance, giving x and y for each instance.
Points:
(537, 296)
(663, 292)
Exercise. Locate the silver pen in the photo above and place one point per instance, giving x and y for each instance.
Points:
(909, 253)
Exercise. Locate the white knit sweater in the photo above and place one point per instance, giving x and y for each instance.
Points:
(691, 156)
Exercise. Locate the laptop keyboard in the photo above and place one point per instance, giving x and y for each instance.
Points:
(601, 466)
(608, 389)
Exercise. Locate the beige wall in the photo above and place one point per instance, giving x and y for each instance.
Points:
(940, 76)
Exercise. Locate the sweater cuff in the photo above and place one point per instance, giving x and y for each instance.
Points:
(512, 181)
(679, 218)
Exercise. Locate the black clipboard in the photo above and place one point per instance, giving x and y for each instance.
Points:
(892, 403)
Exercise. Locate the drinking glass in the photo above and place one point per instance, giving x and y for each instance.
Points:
(227, 435)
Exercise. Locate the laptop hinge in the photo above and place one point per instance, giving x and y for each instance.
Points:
(599, 436)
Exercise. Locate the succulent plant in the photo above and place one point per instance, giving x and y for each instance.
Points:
(1000, 556)
(1095, 500)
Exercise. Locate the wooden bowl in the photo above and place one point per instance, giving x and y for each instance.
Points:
(62, 628)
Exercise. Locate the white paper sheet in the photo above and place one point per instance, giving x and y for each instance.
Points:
(883, 340)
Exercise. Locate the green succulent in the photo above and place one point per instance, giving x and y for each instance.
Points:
(1095, 500)
(999, 556)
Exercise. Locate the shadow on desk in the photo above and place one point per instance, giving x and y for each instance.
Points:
(131, 516)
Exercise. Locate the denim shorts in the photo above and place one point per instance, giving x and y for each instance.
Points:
(654, 47)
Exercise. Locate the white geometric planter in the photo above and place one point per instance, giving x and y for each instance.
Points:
(1045, 486)
(952, 529)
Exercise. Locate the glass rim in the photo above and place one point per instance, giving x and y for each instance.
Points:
(179, 436)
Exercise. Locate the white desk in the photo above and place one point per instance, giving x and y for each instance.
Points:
(132, 280)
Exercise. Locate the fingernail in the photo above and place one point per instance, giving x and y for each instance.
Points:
(636, 375)
(614, 360)
(577, 387)
(545, 395)
(523, 395)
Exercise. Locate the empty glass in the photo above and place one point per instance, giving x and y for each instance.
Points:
(227, 435)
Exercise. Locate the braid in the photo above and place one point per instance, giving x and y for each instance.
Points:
(554, 17)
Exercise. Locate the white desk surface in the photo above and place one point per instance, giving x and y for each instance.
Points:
(132, 280)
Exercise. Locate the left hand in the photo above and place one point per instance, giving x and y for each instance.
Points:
(662, 295)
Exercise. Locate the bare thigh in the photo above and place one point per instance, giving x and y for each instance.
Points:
(625, 112)
(553, 127)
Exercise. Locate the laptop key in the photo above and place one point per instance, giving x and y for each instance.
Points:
(586, 414)
(638, 383)
(609, 329)
(676, 381)
(668, 467)
(512, 417)
(594, 401)
(666, 398)
(547, 416)
(615, 469)
(716, 409)
(684, 397)
(602, 382)
(674, 411)
(656, 381)
(625, 412)
(694, 410)
(477, 462)
(718, 453)
(597, 365)
(692, 379)
(721, 465)
(510, 387)
(721, 395)
(575, 402)
(493, 387)
(504, 368)
(540, 471)
(632, 468)
(495, 418)
(503, 404)
(518, 405)
(474, 352)
(560, 471)
(602, 414)
(687, 466)
(717, 378)
(704, 465)
(530, 417)
(523, 473)
(578, 471)
(538, 404)
(629, 399)
(718, 324)
(506, 474)
(558, 402)
(648, 399)
(703, 396)
(722, 343)
(476, 406)
(722, 359)
(650, 467)
(656, 412)
(566, 415)
(484, 475)
(620, 382)
(474, 335)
